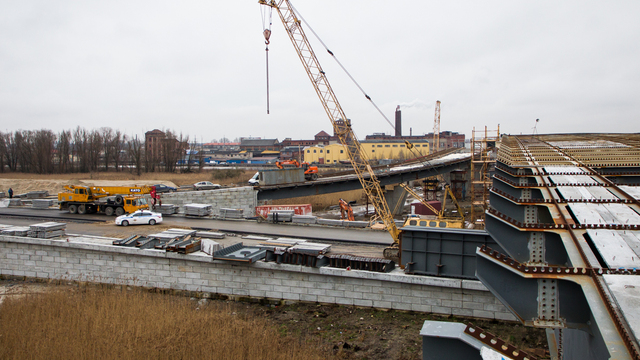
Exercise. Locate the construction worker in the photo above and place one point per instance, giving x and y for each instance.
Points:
(10, 193)
(153, 196)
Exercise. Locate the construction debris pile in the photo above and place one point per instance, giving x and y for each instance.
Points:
(281, 250)
(353, 262)
(296, 252)
(173, 240)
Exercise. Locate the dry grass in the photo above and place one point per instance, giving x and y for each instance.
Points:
(322, 202)
(102, 323)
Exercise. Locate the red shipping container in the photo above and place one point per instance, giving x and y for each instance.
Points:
(418, 208)
(303, 209)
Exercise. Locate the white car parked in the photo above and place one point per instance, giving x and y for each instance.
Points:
(139, 217)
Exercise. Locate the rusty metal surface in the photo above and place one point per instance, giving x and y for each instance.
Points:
(354, 262)
(571, 173)
(497, 344)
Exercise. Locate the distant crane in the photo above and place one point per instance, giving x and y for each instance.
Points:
(436, 128)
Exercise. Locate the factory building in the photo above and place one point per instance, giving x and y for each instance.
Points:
(394, 149)
(329, 154)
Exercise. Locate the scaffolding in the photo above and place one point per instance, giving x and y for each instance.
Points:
(483, 160)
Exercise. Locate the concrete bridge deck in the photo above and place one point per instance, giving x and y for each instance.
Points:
(387, 176)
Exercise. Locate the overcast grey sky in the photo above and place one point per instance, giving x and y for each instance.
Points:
(198, 67)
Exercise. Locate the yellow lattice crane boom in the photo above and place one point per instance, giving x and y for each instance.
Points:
(341, 124)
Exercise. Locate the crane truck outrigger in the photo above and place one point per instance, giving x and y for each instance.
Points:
(109, 200)
(341, 124)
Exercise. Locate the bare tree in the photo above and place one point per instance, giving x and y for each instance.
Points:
(200, 157)
(173, 149)
(80, 148)
(43, 145)
(119, 140)
(107, 135)
(24, 142)
(11, 149)
(136, 153)
(95, 149)
(63, 152)
(3, 150)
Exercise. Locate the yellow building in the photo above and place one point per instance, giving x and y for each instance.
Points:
(394, 149)
(328, 154)
(375, 150)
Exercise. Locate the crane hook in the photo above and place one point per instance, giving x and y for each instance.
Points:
(267, 35)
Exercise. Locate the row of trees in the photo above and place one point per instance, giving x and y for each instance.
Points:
(82, 150)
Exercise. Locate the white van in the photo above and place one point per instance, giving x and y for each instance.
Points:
(254, 180)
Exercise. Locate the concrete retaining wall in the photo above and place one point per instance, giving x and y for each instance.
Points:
(53, 259)
(244, 198)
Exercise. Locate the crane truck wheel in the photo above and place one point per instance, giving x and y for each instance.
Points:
(82, 209)
(119, 211)
(73, 209)
(108, 211)
(119, 200)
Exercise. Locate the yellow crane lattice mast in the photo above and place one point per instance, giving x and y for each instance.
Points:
(341, 124)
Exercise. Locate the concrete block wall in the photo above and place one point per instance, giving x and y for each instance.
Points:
(244, 198)
(54, 259)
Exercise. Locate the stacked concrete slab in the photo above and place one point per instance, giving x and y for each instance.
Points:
(47, 230)
(357, 224)
(198, 210)
(15, 230)
(42, 203)
(304, 219)
(244, 198)
(166, 209)
(14, 202)
(331, 222)
(227, 213)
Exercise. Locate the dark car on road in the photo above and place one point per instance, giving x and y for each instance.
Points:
(162, 188)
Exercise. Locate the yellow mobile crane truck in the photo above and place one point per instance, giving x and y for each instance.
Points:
(108, 200)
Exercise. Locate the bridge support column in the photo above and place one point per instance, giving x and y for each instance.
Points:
(396, 197)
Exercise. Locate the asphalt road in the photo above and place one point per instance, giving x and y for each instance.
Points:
(27, 216)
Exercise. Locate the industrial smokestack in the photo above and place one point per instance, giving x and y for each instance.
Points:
(398, 121)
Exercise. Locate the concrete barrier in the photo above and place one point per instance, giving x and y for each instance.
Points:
(55, 259)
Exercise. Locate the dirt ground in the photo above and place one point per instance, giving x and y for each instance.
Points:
(21, 183)
(346, 332)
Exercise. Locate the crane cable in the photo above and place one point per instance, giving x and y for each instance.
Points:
(341, 66)
(267, 35)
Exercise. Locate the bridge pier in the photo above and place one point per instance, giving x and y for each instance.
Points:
(395, 196)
